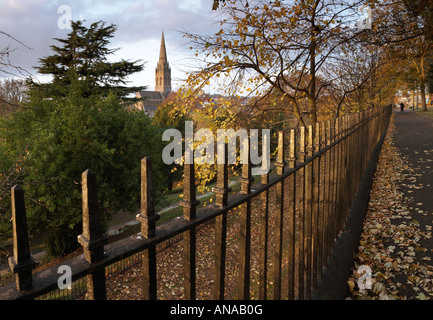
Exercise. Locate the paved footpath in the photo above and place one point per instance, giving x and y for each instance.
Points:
(414, 140)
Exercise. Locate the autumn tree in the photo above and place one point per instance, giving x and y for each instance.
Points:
(12, 87)
(418, 55)
(277, 45)
(216, 4)
(9, 45)
(167, 116)
(422, 11)
(405, 33)
(12, 95)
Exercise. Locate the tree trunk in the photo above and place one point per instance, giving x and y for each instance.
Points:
(422, 84)
(312, 98)
(412, 97)
(422, 89)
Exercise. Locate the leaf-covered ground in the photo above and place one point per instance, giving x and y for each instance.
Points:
(394, 244)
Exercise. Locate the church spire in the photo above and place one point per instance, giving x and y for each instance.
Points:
(163, 71)
(162, 50)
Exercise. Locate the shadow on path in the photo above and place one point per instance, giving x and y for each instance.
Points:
(413, 139)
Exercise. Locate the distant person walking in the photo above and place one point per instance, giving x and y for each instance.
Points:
(401, 106)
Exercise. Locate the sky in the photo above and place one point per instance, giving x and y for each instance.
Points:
(140, 23)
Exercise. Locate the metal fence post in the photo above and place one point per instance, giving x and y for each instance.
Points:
(22, 262)
(317, 226)
(308, 213)
(264, 238)
(222, 189)
(279, 201)
(92, 239)
(291, 186)
(189, 204)
(301, 225)
(148, 218)
(330, 159)
(323, 173)
(245, 224)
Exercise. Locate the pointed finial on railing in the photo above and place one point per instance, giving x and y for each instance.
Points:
(302, 145)
(310, 141)
(280, 155)
(292, 149)
(147, 215)
(222, 189)
(22, 262)
(246, 178)
(92, 239)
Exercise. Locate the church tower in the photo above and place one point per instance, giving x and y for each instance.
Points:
(163, 71)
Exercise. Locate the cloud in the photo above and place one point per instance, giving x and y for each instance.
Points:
(35, 23)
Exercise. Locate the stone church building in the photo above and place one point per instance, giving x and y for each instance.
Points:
(152, 99)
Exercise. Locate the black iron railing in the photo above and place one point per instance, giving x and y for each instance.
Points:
(301, 210)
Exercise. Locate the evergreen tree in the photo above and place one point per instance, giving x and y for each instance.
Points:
(85, 52)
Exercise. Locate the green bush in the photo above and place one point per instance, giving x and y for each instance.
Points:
(62, 240)
(61, 138)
